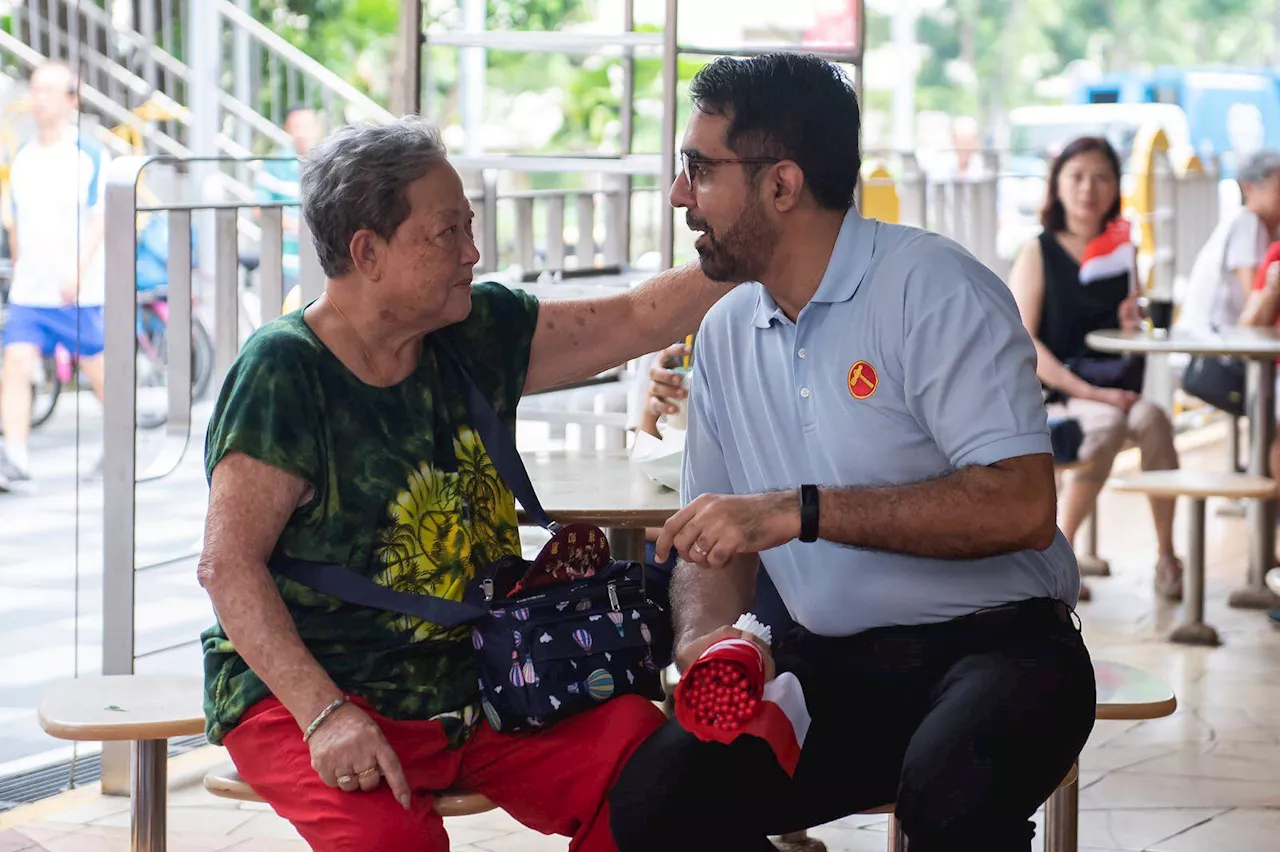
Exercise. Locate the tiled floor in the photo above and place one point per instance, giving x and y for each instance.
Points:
(1206, 779)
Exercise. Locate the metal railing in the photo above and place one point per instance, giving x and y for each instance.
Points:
(121, 479)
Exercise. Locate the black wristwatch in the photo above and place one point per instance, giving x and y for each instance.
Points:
(808, 513)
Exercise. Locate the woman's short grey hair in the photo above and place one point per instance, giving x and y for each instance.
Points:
(358, 177)
(1258, 166)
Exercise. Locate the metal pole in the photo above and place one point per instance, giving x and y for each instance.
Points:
(242, 79)
(310, 276)
(226, 293)
(489, 221)
(177, 431)
(626, 183)
(1061, 819)
(150, 778)
(897, 838)
(203, 26)
(409, 97)
(119, 461)
(271, 263)
(1193, 631)
(147, 25)
(860, 17)
(472, 80)
(667, 167)
(1261, 513)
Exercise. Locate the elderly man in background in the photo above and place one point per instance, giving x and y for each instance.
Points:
(342, 435)
(1222, 276)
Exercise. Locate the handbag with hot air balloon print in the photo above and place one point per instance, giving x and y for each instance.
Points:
(553, 636)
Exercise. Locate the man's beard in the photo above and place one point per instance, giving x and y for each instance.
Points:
(742, 253)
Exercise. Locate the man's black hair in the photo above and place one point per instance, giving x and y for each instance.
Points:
(793, 106)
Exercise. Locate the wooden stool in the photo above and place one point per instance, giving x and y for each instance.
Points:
(225, 782)
(143, 709)
(1198, 485)
(1123, 693)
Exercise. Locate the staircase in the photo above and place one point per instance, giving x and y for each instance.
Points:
(137, 83)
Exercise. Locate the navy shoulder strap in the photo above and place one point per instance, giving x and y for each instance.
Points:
(500, 446)
(343, 583)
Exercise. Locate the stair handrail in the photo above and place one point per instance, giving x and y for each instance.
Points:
(304, 63)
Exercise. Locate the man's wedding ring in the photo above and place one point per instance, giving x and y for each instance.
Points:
(370, 771)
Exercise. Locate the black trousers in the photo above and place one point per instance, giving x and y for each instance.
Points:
(968, 725)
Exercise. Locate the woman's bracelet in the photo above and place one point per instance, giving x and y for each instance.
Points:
(324, 714)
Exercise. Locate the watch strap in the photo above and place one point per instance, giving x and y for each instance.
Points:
(808, 513)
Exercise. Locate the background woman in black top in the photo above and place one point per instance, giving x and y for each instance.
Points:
(1101, 391)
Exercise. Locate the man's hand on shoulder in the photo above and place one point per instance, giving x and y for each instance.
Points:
(714, 528)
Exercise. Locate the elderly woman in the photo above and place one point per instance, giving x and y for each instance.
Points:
(1059, 310)
(341, 435)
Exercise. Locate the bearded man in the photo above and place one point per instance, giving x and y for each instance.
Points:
(865, 422)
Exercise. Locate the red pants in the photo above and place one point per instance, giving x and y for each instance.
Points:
(554, 781)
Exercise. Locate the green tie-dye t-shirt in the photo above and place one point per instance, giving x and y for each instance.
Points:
(405, 494)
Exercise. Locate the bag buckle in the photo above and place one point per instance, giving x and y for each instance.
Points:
(486, 585)
(613, 597)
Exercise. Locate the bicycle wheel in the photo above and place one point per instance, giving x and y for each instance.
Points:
(45, 390)
(201, 359)
(153, 366)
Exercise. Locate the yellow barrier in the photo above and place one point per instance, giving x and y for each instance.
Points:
(1149, 143)
(1186, 163)
(880, 196)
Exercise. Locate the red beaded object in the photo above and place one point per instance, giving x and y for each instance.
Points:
(722, 691)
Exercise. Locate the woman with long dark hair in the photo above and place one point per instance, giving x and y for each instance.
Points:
(1060, 306)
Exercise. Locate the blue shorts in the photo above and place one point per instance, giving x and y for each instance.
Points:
(79, 330)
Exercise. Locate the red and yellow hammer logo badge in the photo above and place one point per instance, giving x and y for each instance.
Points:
(862, 380)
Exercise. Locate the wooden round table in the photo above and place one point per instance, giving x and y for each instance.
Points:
(1260, 347)
(143, 709)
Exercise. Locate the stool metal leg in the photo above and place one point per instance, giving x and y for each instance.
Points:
(1194, 631)
(1091, 564)
(1233, 445)
(1233, 508)
(149, 794)
(897, 838)
(1062, 819)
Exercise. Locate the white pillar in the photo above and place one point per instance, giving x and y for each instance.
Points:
(904, 90)
(472, 78)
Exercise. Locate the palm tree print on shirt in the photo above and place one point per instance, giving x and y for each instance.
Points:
(442, 525)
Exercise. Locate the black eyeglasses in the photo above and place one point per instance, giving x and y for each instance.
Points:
(691, 164)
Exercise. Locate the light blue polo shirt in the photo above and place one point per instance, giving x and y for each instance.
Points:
(909, 363)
